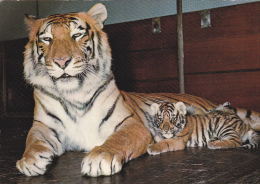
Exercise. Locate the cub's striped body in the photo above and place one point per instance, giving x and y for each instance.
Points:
(249, 117)
(217, 129)
(77, 103)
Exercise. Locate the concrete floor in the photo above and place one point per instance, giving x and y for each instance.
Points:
(193, 165)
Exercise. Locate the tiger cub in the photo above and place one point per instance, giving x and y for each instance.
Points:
(175, 129)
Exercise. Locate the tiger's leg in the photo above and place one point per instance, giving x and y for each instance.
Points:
(166, 145)
(42, 145)
(129, 141)
(228, 139)
(254, 140)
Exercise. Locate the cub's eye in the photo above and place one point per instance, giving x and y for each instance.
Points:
(173, 118)
(47, 39)
(76, 35)
(160, 119)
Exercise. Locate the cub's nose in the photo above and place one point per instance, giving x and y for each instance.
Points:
(62, 62)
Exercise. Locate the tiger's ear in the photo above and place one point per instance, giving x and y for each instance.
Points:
(31, 21)
(99, 13)
(33, 24)
(180, 106)
(154, 108)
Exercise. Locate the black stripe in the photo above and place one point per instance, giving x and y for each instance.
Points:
(137, 106)
(87, 26)
(226, 132)
(216, 123)
(94, 49)
(90, 167)
(54, 131)
(202, 132)
(38, 167)
(37, 48)
(123, 96)
(41, 33)
(234, 109)
(43, 157)
(72, 18)
(96, 67)
(82, 28)
(56, 134)
(168, 145)
(47, 141)
(100, 50)
(102, 88)
(231, 125)
(50, 114)
(55, 117)
(221, 127)
(40, 57)
(129, 156)
(210, 132)
(33, 58)
(28, 170)
(197, 129)
(54, 97)
(117, 126)
(109, 113)
(248, 114)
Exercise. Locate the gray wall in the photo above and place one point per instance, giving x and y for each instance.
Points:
(12, 13)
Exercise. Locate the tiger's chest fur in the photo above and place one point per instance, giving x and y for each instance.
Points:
(81, 128)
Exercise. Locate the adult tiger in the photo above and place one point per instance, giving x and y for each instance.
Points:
(77, 103)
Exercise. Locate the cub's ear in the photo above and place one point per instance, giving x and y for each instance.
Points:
(99, 13)
(227, 104)
(180, 106)
(154, 108)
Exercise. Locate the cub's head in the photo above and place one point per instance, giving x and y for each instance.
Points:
(65, 50)
(169, 118)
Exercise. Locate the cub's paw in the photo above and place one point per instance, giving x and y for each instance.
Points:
(214, 144)
(154, 149)
(98, 163)
(34, 163)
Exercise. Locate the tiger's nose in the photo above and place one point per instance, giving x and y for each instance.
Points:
(166, 128)
(62, 62)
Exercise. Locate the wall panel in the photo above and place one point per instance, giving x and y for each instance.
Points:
(242, 89)
(226, 54)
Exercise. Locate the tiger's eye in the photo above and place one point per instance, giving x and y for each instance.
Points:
(47, 39)
(76, 35)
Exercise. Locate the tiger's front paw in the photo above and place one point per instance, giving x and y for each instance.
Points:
(98, 163)
(34, 163)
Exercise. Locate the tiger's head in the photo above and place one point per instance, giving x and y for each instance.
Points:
(169, 118)
(68, 51)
